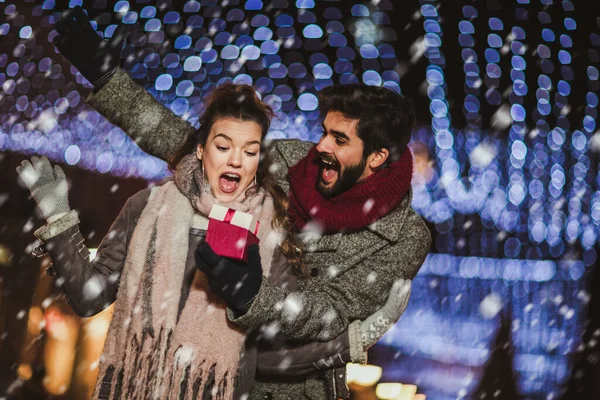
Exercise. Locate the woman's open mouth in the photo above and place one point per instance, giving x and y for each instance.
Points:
(229, 182)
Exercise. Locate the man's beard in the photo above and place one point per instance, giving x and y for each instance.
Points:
(347, 178)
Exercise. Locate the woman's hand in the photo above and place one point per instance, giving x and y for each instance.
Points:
(376, 325)
(237, 283)
(48, 187)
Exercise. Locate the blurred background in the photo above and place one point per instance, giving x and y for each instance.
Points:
(506, 149)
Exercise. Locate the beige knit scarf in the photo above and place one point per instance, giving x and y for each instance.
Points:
(149, 352)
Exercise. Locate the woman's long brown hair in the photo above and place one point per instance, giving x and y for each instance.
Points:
(239, 101)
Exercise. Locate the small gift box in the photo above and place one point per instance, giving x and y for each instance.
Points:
(230, 232)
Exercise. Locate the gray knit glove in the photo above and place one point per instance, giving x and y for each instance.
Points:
(48, 187)
(376, 325)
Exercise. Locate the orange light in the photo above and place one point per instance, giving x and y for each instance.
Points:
(35, 321)
(91, 343)
(24, 372)
(363, 375)
(398, 391)
(59, 350)
(6, 256)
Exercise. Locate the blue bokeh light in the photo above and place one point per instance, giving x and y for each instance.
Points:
(529, 192)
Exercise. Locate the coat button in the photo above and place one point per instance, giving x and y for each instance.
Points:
(314, 272)
(268, 396)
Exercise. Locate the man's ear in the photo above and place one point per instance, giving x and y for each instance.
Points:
(377, 158)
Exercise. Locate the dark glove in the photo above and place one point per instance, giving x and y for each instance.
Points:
(235, 282)
(95, 58)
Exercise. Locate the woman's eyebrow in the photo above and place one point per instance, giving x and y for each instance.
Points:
(248, 143)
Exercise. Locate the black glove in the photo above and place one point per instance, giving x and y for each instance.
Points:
(95, 58)
(235, 282)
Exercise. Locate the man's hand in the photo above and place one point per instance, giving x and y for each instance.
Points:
(376, 325)
(48, 186)
(235, 282)
(95, 58)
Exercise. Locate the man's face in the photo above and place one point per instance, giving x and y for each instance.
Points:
(340, 155)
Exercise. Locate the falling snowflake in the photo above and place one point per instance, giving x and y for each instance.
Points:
(595, 141)
(563, 310)
(28, 226)
(292, 306)
(502, 119)
(368, 206)
(557, 300)
(417, 49)
(45, 122)
(371, 277)
(329, 316)
(482, 155)
(91, 289)
(3, 198)
(533, 133)
(332, 271)
(490, 306)
(183, 356)
(286, 362)
(312, 231)
(269, 331)
(47, 301)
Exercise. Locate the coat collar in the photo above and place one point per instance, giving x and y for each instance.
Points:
(293, 150)
(390, 226)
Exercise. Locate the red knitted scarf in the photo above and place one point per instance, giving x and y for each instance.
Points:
(356, 208)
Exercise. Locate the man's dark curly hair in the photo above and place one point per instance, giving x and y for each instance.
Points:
(386, 118)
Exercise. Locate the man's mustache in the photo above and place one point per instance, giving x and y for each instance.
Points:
(324, 157)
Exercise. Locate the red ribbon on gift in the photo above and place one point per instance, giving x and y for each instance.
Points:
(229, 217)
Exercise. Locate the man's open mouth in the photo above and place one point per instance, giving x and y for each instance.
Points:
(329, 170)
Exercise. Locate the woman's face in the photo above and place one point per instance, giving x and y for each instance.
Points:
(230, 157)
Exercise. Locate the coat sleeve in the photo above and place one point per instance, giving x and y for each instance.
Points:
(90, 285)
(294, 150)
(151, 125)
(302, 359)
(322, 309)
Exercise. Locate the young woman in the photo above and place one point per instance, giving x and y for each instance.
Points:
(169, 336)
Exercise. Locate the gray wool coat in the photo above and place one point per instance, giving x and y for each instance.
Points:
(351, 274)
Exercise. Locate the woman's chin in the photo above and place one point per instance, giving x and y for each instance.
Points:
(228, 196)
(225, 197)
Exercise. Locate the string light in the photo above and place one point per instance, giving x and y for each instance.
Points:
(242, 42)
